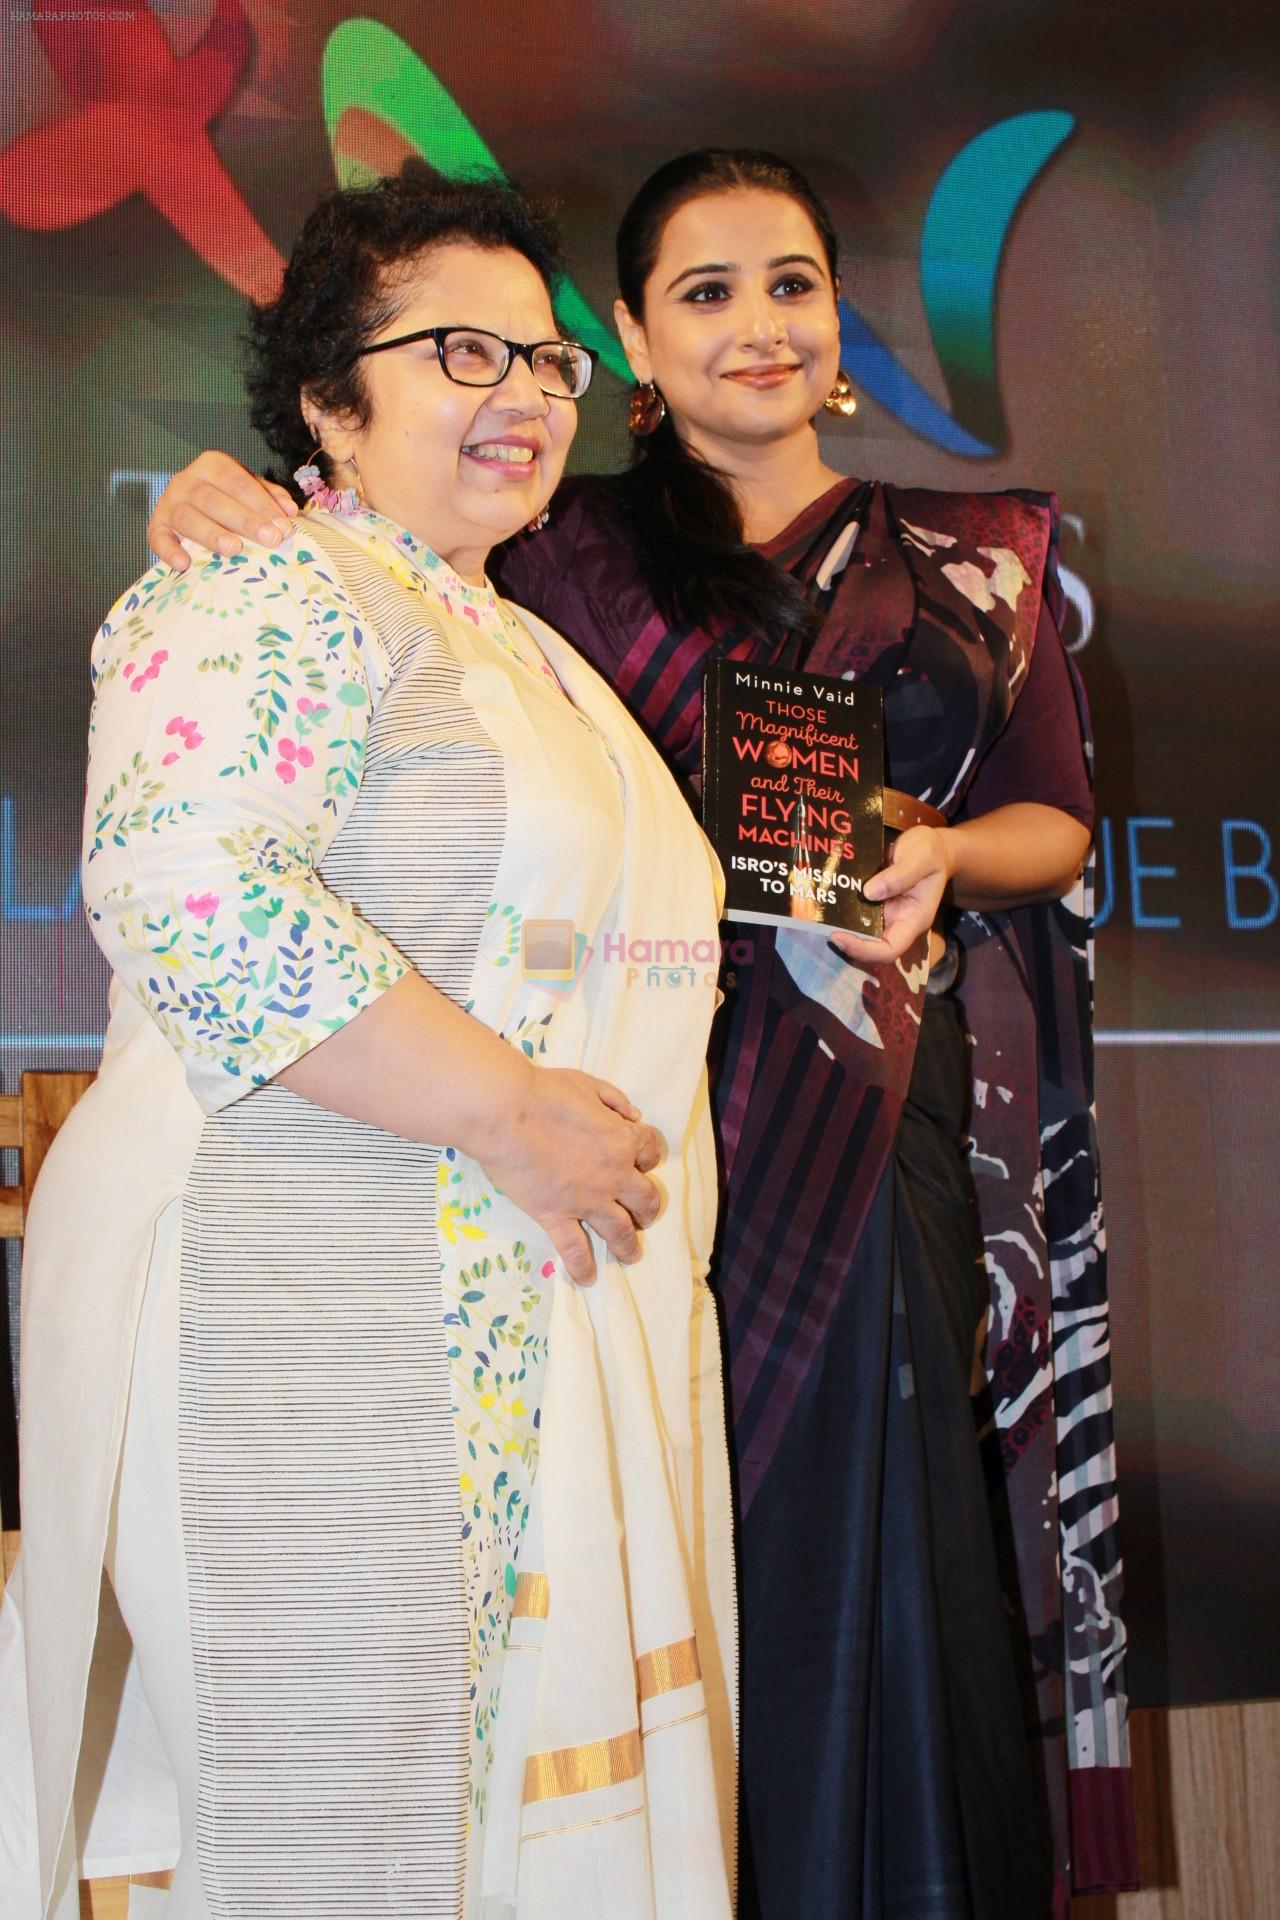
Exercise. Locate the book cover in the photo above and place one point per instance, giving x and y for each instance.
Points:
(792, 794)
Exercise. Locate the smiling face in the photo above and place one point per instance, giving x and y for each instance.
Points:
(461, 467)
(739, 329)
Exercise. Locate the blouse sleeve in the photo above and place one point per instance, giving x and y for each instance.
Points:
(1040, 755)
(231, 707)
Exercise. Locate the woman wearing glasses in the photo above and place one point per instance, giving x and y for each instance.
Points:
(424, 1552)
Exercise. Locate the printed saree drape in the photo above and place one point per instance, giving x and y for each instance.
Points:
(941, 599)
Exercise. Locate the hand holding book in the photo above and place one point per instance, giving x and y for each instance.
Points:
(911, 887)
(794, 801)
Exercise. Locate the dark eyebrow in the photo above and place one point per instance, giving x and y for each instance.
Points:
(714, 266)
(794, 259)
(731, 266)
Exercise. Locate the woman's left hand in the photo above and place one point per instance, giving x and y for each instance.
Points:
(911, 887)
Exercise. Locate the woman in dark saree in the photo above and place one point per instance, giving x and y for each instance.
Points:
(907, 1138)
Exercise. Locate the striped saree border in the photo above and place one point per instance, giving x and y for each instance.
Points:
(562, 1771)
(532, 1599)
(597, 1763)
(667, 1668)
(661, 1670)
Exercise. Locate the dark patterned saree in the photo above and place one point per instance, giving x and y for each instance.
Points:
(901, 1167)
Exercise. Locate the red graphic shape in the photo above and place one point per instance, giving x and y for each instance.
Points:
(139, 125)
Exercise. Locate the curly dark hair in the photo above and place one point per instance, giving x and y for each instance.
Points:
(346, 278)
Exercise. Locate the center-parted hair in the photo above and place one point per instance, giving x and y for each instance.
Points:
(348, 276)
(683, 510)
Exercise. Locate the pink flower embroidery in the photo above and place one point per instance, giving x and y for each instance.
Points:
(292, 756)
(548, 1268)
(139, 680)
(318, 708)
(188, 732)
(202, 905)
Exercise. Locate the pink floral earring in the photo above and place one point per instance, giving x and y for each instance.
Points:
(332, 499)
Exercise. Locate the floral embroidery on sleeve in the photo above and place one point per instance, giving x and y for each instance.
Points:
(222, 764)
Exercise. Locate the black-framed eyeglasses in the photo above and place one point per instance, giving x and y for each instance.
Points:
(474, 358)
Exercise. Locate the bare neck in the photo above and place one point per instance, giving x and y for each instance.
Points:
(773, 481)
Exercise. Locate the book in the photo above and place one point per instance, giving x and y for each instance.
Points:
(793, 794)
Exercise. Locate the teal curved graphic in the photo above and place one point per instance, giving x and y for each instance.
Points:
(369, 68)
(961, 244)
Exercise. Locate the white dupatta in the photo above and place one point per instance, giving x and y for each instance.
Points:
(613, 1782)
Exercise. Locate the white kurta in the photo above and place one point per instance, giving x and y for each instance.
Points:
(456, 1533)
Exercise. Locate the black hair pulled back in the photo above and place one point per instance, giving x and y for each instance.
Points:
(683, 510)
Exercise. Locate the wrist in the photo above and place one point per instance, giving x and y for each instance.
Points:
(951, 841)
(500, 1105)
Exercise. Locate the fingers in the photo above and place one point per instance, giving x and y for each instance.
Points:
(241, 505)
(919, 854)
(224, 480)
(283, 498)
(651, 1151)
(601, 1171)
(642, 1198)
(905, 921)
(638, 1205)
(856, 946)
(614, 1097)
(650, 1148)
(898, 939)
(194, 524)
(893, 881)
(568, 1237)
(879, 884)
(214, 508)
(168, 548)
(617, 1230)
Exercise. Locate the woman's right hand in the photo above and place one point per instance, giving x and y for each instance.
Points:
(211, 502)
(577, 1153)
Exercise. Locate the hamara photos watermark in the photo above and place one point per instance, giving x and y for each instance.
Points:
(554, 953)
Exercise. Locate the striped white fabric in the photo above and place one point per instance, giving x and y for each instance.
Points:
(318, 1463)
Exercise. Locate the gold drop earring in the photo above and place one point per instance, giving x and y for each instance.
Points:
(841, 399)
(647, 410)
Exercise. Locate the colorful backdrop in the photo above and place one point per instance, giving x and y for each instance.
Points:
(1059, 235)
